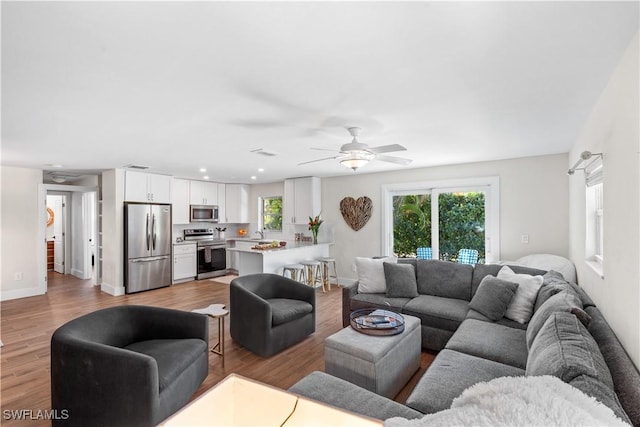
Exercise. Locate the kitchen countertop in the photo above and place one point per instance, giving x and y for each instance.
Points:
(290, 246)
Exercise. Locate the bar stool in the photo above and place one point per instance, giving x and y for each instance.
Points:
(314, 275)
(326, 277)
(296, 272)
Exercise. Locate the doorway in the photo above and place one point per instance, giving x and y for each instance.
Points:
(56, 231)
(69, 233)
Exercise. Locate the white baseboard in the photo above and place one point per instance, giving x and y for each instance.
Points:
(78, 273)
(112, 290)
(20, 293)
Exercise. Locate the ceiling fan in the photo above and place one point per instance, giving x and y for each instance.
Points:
(355, 154)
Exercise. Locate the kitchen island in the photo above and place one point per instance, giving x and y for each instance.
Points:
(251, 261)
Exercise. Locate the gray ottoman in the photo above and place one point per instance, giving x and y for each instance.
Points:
(381, 364)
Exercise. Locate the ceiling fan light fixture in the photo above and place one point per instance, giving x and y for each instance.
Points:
(356, 159)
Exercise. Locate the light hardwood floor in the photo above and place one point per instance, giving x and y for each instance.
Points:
(28, 323)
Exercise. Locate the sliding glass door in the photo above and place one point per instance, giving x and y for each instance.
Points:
(442, 218)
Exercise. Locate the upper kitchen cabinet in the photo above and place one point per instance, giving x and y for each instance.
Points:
(237, 209)
(203, 193)
(180, 201)
(147, 187)
(302, 199)
(222, 202)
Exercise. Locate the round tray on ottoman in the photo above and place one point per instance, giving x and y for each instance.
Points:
(375, 321)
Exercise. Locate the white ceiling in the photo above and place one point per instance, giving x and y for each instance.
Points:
(181, 85)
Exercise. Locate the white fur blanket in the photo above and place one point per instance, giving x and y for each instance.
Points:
(519, 401)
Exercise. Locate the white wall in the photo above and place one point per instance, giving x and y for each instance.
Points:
(112, 232)
(613, 130)
(533, 201)
(19, 229)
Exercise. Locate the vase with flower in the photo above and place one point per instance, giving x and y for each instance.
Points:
(314, 226)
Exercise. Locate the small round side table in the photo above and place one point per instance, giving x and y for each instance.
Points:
(216, 311)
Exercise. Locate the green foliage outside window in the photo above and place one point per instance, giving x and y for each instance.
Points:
(461, 224)
(272, 213)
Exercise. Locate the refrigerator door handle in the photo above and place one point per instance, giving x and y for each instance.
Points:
(147, 231)
(153, 230)
(150, 259)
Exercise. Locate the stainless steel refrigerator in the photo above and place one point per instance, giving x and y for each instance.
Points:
(147, 246)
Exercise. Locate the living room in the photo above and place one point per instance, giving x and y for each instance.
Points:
(536, 196)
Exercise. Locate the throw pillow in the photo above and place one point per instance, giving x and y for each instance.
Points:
(401, 280)
(493, 297)
(521, 307)
(582, 316)
(371, 275)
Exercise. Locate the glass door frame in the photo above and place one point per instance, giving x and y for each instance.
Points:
(490, 185)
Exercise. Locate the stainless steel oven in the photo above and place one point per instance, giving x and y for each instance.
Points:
(212, 254)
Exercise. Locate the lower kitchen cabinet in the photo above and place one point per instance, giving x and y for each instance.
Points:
(184, 262)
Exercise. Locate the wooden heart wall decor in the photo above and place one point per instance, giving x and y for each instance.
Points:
(356, 213)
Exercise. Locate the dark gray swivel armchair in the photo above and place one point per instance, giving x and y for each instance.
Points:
(127, 365)
(270, 313)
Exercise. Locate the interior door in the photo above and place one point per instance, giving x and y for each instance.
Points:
(58, 235)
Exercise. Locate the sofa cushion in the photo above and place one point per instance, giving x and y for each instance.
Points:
(521, 307)
(564, 348)
(625, 375)
(444, 279)
(490, 341)
(342, 394)
(603, 394)
(284, 310)
(173, 356)
(371, 274)
(472, 314)
(493, 297)
(438, 312)
(563, 301)
(360, 301)
(449, 375)
(401, 280)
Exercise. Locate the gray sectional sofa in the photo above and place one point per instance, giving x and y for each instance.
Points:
(567, 337)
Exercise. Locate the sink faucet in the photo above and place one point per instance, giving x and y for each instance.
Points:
(261, 233)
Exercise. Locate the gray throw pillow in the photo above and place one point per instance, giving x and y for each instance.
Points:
(493, 297)
(401, 280)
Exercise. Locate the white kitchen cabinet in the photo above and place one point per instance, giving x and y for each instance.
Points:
(222, 203)
(180, 201)
(237, 206)
(203, 193)
(302, 199)
(147, 187)
(184, 262)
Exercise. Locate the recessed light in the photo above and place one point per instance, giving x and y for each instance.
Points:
(253, 177)
(205, 177)
(54, 165)
(260, 169)
(203, 169)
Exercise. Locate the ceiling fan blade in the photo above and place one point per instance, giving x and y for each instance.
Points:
(322, 149)
(256, 123)
(318, 160)
(396, 160)
(387, 148)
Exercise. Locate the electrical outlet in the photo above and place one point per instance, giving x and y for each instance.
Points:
(524, 238)
(353, 268)
(17, 275)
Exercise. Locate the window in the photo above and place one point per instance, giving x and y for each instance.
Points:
(445, 216)
(271, 213)
(594, 245)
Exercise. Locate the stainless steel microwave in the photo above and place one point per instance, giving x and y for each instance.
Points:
(203, 213)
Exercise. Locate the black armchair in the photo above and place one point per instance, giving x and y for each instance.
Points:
(269, 312)
(127, 365)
